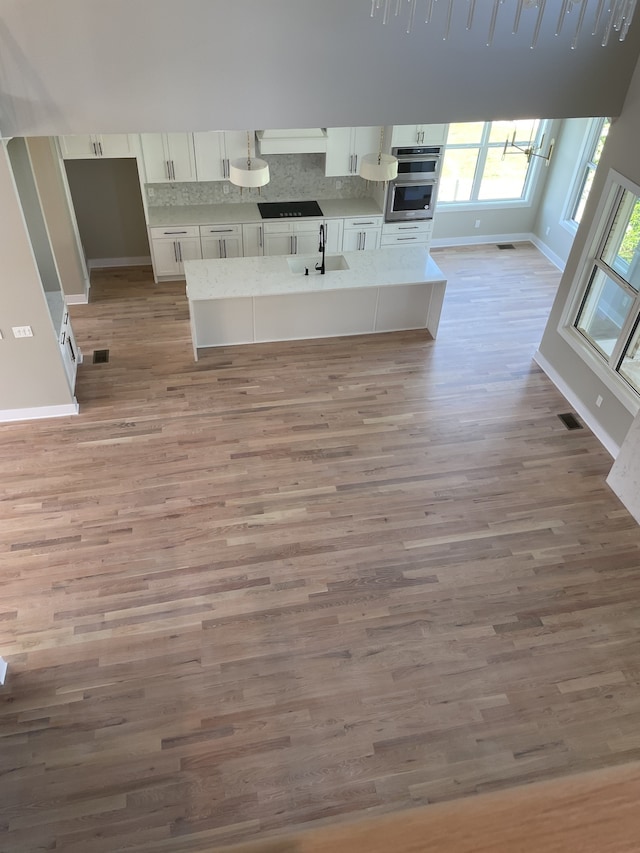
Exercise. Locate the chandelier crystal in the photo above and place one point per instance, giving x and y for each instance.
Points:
(608, 16)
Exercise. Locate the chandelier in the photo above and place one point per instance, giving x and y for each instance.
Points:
(608, 16)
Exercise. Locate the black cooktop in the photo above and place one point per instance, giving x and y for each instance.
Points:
(278, 209)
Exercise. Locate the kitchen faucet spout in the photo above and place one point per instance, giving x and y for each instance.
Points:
(321, 248)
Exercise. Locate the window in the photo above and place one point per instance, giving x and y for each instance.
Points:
(479, 168)
(590, 158)
(608, 307)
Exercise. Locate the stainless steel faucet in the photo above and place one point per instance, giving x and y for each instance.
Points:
(321, 248)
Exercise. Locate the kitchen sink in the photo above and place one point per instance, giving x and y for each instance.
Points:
(331, 264)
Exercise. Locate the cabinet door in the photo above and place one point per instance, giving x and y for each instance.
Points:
(370, 239)
(352, 240)
(433, 134)
(278, 244)
(333, 236)
(115, 145)
(181, 156)
(81, 146)
(405, 134)
(366, 140)
(212, 247)
(156, 158)
(232, 247)
(339, 157)
(307, 243)
(165, 257)
(189, 249)
(235, 144)
(252, 241)
(211, 162)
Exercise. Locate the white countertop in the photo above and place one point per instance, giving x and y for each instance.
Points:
(244, 277)
(237, 214)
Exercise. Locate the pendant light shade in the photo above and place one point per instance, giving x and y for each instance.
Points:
(248, 172)
(379, 167)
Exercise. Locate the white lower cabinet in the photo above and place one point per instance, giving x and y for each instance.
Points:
(407, 233)
(301, 238)
(361, 234)
(252, 240)
(170, 247)
(221, 241)
(69, 349)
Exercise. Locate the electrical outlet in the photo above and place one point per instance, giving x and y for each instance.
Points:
(477, 225)
(22, 331)
(599, 400)
(151, 192)
(225, 189)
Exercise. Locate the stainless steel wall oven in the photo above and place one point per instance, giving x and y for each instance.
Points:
(412, 195)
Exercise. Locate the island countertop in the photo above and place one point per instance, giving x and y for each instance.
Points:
(264, 276)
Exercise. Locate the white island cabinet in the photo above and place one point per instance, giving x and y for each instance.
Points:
(251, 300)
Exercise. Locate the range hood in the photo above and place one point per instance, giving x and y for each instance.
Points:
(306, 140)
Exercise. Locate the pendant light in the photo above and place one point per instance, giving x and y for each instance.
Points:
(249, 173)
(379, 167)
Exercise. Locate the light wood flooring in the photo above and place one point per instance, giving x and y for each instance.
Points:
(301, 582)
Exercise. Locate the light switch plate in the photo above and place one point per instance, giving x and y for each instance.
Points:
(22, 331)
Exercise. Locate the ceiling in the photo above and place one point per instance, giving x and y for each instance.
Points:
(149, 65)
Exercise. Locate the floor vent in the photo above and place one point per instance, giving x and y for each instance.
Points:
(570, 421)
(505, 246)
(100, 356)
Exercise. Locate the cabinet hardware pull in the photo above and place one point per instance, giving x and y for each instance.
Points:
(100, 148)
(260, 236)
(95, 151)
(364, 240)
(175, 252)
(64, 337)
(173, 232)
(221, 230)
(355, 157)
(407, 227)
(180, 251)
(364, 223)
(406, 238)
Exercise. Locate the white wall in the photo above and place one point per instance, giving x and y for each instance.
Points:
(31, 371)
(621, 153)
(151, 65)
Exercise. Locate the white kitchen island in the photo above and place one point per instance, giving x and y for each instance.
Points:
(259, 299)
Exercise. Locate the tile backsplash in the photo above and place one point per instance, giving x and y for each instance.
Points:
(293, 177)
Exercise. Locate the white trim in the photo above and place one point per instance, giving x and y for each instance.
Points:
(596, 428)
(3, 670)
(101, 263)
(445, 242)
(76, 298)
(556, 260)
(37, 412)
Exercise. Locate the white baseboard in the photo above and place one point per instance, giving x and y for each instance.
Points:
(102, 263)
(37, 412)
(445, 242)
(556, 260)
(596, 428)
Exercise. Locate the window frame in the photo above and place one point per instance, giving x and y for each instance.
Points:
(586, 164)
(533, 172)
(605, 367)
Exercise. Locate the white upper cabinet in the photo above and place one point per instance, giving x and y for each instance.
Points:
(87, 146)
(168, 157)
(418, 134)
(346, 146)
(214, 151)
